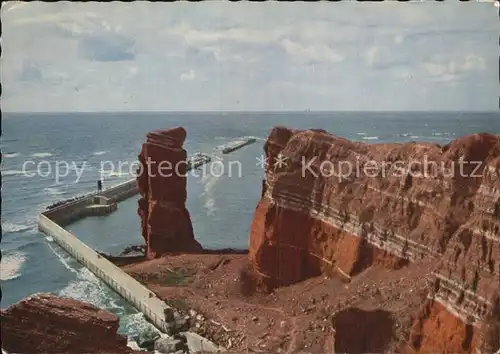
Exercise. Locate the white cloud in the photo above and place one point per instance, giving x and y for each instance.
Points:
(474, 62)
(399, 39)
(242, 35)
(188, 76)
(436, 69)
(378, 55)
(439, 67)
(133, 70)
(317, 52)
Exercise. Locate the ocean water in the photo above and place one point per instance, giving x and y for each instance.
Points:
(221, 202)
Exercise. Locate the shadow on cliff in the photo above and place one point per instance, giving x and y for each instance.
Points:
(359, 331)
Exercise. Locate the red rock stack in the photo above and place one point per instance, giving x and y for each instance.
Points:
(162, 181)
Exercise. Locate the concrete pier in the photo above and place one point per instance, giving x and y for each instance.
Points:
(129, 288)
(238, 144)
(94, 204)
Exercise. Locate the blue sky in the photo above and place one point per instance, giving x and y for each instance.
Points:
(249, 56)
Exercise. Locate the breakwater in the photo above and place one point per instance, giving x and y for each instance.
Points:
(238, 144)
(95, 203)
(129, 288)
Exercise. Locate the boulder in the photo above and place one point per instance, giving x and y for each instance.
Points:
(169, 345)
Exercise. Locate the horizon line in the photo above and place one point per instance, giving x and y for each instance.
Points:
(255, 111)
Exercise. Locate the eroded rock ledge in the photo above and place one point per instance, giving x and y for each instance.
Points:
(399, 204)
(45, 323)
(166, 224)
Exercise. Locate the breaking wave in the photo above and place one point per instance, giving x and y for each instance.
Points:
(53, 191)
(9, 227)
(136, 324)
(11, 265)
(13, 173)
(41, 154)
(99, 153)
(370, 138)
(12, 154)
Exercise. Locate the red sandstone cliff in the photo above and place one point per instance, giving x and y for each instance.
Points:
(166, 224)
(392, 208)
(45, 323)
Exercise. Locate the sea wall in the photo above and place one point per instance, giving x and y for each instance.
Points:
(129, 288)
(121, 191)
(70, 212)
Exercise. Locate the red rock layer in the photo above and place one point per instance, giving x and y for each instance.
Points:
(337, 206)
(165, 221)
(45, 323)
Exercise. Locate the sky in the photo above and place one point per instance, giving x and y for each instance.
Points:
(213, 55)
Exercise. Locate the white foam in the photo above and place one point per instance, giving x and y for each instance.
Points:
(41, 154)
(370, 138)
(63, 257)
(105, 173)
(362, 134)
(133, 345)
(210, 180)
(53, 191)
(99, 153)
(136, 323)
(117, 174)
(13, 154)
(86, 287)
(11, 265)
(10, 227)
(414, 137)
(80, 166)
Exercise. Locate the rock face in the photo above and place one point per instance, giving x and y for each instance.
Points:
(45, 323)
(330, 205)
(166, 224)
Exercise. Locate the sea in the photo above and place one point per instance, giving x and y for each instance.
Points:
(48, 157)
